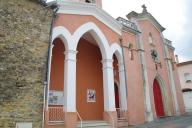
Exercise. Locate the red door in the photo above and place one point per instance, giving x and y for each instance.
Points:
(158, 99)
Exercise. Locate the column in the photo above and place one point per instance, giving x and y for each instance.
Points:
(108, 85)
(70, 81)
(148, 109)
(172, 83)
(122, 86)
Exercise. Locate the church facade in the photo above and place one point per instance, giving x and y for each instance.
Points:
(106, 69)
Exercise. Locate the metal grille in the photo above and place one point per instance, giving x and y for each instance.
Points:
(56, 115)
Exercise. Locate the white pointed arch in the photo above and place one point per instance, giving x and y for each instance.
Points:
(63, 34)
(97, 35)
(116, 49)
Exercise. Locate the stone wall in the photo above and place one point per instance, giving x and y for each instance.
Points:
(24, 34)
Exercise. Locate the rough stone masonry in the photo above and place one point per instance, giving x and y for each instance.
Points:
(24, 35)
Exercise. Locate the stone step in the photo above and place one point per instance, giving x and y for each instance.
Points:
(94, 124)
(121, 119)
(122, 122)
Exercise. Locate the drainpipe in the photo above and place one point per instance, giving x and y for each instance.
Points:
(54, 7)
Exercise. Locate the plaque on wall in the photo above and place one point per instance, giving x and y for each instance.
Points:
(56, 97)
(91, 95)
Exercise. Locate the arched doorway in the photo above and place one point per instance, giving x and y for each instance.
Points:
(116, 78)
(158, 99)
(57, 70)
(90, 100)
(56, 86)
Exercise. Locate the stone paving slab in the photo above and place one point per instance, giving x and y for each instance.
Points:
(184, 121)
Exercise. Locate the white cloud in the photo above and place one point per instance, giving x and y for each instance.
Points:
(171, 14)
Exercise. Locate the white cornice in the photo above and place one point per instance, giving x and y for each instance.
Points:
(146, 16)
(153, 21)
(92, 10)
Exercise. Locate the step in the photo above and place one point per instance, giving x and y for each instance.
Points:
(121, 119)
(122, 123)
(94, 124)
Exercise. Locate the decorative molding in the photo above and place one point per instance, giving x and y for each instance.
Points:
(92, 10)
(146, 16)
(71, 51)
(107, 61)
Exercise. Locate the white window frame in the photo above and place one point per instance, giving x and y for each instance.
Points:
(188, 77)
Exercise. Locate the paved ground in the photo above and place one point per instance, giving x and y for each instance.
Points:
(184, 121)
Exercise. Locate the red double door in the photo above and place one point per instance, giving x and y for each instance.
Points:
(158, 99)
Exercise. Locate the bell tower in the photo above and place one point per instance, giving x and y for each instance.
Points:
(97, 2)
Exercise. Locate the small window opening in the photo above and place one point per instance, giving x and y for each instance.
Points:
(188, 77)
(90, 1)
(150, 38)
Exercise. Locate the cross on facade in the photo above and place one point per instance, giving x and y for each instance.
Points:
(144, 8)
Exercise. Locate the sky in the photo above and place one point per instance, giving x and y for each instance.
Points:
(174, 15)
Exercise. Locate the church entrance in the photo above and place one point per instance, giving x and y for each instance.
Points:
(90, 99)
(158, 100)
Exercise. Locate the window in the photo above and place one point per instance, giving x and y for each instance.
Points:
(188, 77)
(150, 38)
(130, 46)
(131, 54)
(154, 55)
(90, 1)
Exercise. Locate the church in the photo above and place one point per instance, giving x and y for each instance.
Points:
(109, 72)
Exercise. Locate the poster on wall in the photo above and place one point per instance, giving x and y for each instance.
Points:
(56, 98)
(91, 95)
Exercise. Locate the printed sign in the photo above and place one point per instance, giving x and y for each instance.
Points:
(56, 98)
(91, 95)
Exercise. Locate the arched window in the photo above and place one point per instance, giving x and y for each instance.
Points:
(150, 38)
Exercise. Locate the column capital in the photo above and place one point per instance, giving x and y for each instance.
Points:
(70, 52)
(70, 55)
(107, 61)
(107, 64)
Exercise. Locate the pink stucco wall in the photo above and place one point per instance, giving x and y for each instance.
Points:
(146, 28)
(134, 81)
(72, 22)
(135, 98)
